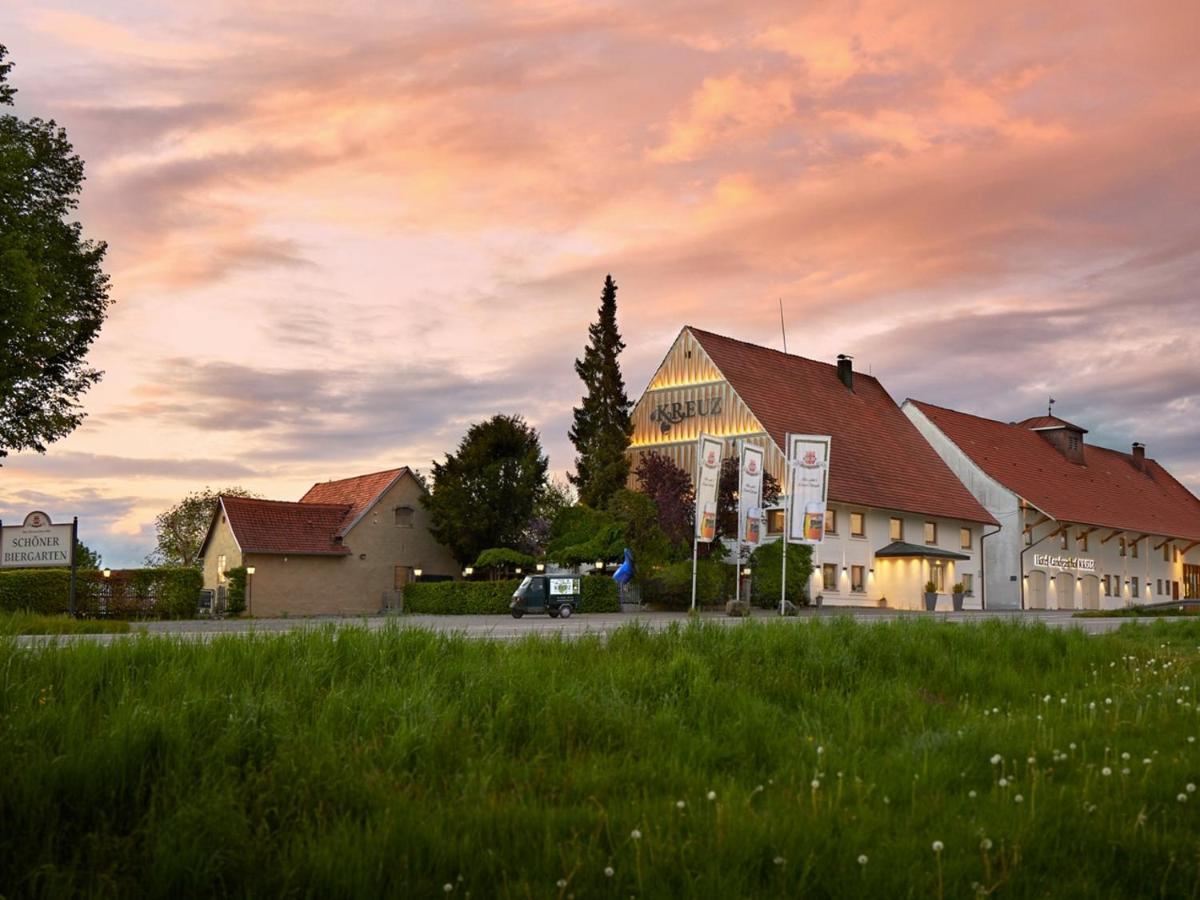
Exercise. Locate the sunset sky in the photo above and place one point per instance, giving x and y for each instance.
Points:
(340, 233)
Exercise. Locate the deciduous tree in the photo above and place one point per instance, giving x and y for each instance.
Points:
(53, 292)
(671, 489)
(180, 530)
(484, 494)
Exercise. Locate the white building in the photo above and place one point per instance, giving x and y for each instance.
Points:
(1082, 527)
(898, 515)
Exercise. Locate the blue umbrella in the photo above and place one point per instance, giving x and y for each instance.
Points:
(624, 573)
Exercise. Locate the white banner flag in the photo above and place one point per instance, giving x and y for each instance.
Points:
(708, 477)
(808, 487)
(750, 495)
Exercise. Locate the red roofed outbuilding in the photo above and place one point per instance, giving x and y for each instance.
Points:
(347, 547)
(1084, 527)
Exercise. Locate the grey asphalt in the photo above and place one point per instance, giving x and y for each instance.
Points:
(508, 628)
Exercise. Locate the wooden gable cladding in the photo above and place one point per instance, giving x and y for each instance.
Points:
(688, 395)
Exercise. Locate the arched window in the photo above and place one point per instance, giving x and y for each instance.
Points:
(404, 516)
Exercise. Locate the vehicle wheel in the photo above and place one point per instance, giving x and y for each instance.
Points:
(517, 613)
(565, 611)
(552, 613)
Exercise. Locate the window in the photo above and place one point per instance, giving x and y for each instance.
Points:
(858, 525)
(829, 578)
(896, 529)
(404, 516)
(931, 532)
(1121, 546)
(1133, 587)
(1028, 537)
(968, 583)
(1082, 542)
(1134, 547)
(1158, 586)
(937, 574)
(1107, 587)
(831, 521)
(1064, 539)
(774, 521)
(964, 538)
(856, 579)
(221, 569)
(1166, 552)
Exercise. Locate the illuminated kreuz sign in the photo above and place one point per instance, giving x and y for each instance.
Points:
(669, 414)
(1079, 563)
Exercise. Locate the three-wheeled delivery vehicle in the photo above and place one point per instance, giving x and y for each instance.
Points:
(557, 595)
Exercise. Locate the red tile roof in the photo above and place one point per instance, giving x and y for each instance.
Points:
(877, 457)
(277, 526)
(359, 493)
(1108, 490)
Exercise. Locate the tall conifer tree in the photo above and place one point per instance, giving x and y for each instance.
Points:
(602, 425)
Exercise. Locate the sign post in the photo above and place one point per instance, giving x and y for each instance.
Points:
(808, 491)
(708, 476)
(37, 543)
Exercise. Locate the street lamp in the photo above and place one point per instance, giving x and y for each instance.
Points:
(599, 564)
(541, 567)
(249, 594)
(417, 574)
(108, 573)
(468, 571)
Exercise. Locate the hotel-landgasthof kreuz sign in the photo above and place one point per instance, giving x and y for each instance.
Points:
(37, 543)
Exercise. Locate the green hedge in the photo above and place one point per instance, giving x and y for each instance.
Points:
(482, 598)
(671, 586)
(166, 592)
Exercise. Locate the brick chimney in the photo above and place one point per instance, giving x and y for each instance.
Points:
(846, 370)
(1139, 456)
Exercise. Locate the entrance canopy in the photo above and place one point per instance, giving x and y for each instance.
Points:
(902, 550)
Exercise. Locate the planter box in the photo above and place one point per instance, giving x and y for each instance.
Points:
(930, 602)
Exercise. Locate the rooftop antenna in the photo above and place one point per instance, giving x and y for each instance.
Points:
(782, 327)
(1050, 407)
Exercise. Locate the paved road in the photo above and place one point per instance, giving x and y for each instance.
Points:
(508, 628)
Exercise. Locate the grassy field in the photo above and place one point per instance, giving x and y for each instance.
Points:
(823, 759)
(37, 623)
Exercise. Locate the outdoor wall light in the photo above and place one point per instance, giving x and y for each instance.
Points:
(249, 570)
(518, 570)
(746, 571)
(843, 570)
(469, 570)
(541, 567)
(599, 564)
(108, 573)
(417, 573)
(1052, 577)
(870, 571)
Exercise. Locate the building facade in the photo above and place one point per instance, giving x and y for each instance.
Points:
(1082, 527)
(347, 547)
(899, 516)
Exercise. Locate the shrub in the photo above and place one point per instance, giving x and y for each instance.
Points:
(671, 586)
(235, 597)
(767, 563)
(163, 592)
(484, 598)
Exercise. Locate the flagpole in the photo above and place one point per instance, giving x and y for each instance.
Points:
(696, 516)
(737, 559)
(787, 522)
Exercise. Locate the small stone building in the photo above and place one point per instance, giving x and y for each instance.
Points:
(347, 547)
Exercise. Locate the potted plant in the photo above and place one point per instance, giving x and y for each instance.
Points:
(819, 600)
(930, 596)
(959, 590)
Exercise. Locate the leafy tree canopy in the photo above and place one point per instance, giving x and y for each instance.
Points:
(86, 557)
(767, 564)
(180, 530)
(582, 535)
(727, 501)
(502, 558)
(53, 292)
(670, 487)
(601, 427)
(485, 494)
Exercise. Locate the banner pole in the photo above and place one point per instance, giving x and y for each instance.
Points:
(697, 513)
(737, 557)
(74, 541)
(787, 519)
(695, 547)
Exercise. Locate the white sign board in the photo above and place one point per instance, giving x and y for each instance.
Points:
(808, 486)
(36, 544)
(708, 477)
(750, 495)
(560, 587)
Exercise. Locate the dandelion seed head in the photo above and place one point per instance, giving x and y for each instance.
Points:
(1018, 799)
(1191, 788)
(971, 794)
(635, 834)
(862, 859)
(1003, 782)
(1106, 771)
(447, 887)
(938, 846)
(985, 844)
(997, 759)
(815, 784)
(680, 804)
(562, 882)
(779, 860)
(712, 795)
(1182, 798)
(608, 872)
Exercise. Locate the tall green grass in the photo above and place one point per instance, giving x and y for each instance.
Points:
(764, 760)
(26, 622)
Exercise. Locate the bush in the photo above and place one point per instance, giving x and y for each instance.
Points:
(235, 596)
(163, 592)
(766, 562)
(487, 598)
(671, 586)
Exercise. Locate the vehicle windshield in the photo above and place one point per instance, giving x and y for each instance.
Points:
(521, 587)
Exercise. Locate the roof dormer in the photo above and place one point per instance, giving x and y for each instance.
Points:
(1062, 435)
